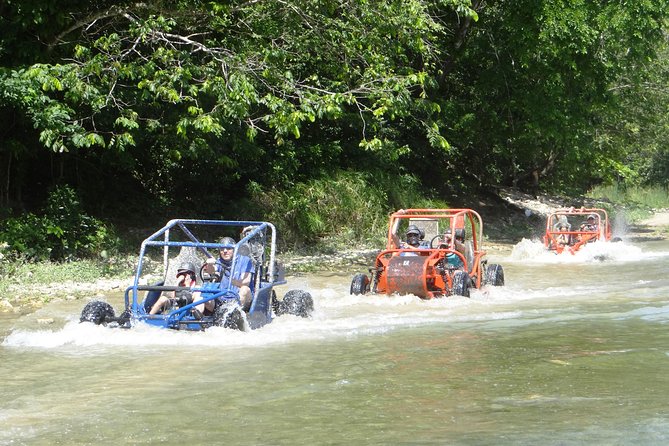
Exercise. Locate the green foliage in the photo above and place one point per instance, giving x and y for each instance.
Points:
(311, 211)
(26, 235)
(630, 203)
(531, 89)
(639, 125)
(190, 102)
(62, 232)
(163, 91)
(346, 208)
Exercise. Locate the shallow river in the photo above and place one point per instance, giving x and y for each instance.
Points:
(573, 350)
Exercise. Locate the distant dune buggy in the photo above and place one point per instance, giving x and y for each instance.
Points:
(448, 261)
(182, 241)
(569, 229)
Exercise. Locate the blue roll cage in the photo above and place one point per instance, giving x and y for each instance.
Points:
(262, 284)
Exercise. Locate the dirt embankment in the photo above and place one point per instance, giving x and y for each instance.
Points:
(511, 215)
(659, 220)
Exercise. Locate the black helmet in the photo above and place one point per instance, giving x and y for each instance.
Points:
(413, 229)
(227, 241)
(414, 235)
(186, 267)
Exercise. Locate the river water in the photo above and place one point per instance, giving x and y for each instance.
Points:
(573, 350)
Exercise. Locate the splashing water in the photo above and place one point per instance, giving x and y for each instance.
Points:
(534, 251)
(338, 314)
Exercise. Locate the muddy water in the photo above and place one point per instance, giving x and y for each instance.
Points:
(573, 350)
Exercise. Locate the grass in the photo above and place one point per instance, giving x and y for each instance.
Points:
(638, 202)
(651, 197)
(344, 214)
(347, 210)
(18, 277)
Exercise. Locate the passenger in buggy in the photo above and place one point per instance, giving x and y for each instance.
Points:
(457, 243)
(185, 278)
(563, 238)
(562, 224)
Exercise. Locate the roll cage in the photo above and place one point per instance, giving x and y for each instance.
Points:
(188, 237)
(427, 278)
(558, 239)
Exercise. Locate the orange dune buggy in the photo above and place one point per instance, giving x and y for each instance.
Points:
(569, 229)
(448, 261)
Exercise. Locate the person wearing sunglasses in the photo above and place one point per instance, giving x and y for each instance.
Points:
(186, 278)
(239, 281)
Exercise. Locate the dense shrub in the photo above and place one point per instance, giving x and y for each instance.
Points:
(343, 210)
(63, 231)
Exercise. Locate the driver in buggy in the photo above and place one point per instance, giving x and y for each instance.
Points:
(590, 224)
(219, 269)
(185, 278)
(414, 240)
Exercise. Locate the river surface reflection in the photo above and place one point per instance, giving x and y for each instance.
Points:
(573, 350)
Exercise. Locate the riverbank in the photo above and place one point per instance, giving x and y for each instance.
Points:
(508, 217)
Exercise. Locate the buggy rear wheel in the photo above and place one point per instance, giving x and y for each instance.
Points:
(97, 312)
(295, 302)
(494, 275)
(461, 283)
(229, 315)
(359, 284)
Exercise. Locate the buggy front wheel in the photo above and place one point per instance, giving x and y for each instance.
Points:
(229, 315)
(461, 283)
(359, 284)
(494, 275)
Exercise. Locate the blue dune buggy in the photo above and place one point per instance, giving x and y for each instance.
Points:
(183, 241)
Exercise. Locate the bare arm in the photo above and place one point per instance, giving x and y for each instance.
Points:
(244, 280)
(210, 266)
(396, 238)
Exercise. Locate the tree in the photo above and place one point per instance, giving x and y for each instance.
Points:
(172, 88)
(530, 92)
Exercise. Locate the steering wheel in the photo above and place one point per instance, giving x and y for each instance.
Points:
(439, 244)
(205, 276)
